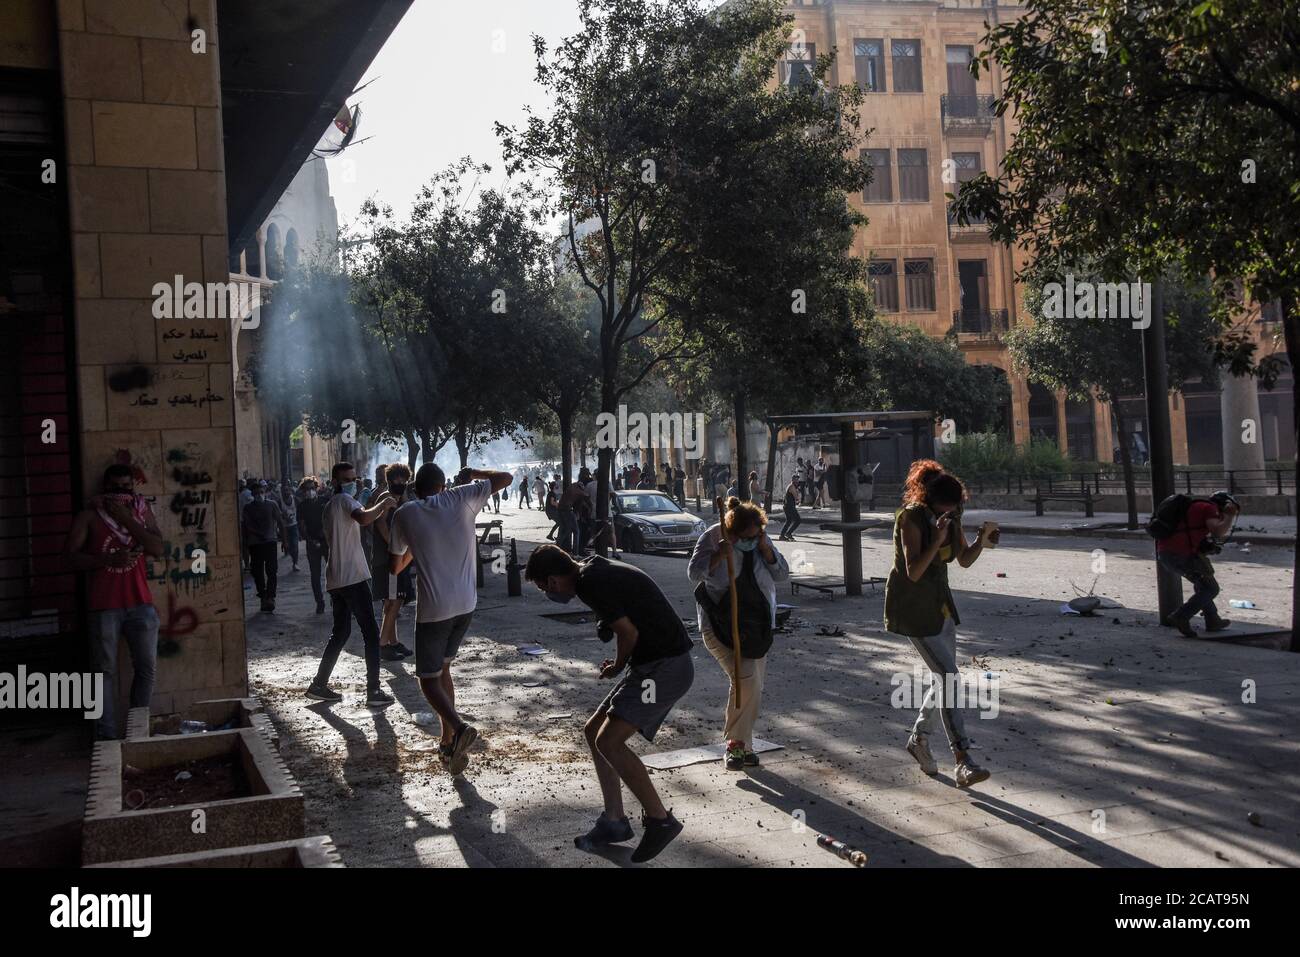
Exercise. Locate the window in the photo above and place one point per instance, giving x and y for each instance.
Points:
(869, 60)
(907, 65)
(799, 65)
(966, 166)
(884, 284)
(913, 176)
(918, 276)
(960, 81)
(880, 189)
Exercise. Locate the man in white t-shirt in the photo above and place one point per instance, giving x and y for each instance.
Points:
(437, 531)
(347, 579)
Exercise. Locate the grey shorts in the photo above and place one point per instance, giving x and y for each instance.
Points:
(646, 693)
(436, 643)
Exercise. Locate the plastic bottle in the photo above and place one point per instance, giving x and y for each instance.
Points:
(193, 727)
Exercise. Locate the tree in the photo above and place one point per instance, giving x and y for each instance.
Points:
(638, 144)
(1165, 130)
(1085, 354)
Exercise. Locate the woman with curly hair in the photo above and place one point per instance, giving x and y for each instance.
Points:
(757, 567)
(919, 606)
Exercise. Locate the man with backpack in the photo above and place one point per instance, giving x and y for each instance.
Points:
(1187, 531)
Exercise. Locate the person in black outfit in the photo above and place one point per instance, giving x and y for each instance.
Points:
(655, 650)
(263, 528)
(311, 507)
(791, 508)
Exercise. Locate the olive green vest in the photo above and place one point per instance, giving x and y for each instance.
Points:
(916, 608)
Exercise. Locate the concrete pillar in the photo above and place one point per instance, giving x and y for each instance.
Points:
(1239, 404)
(1062, 433)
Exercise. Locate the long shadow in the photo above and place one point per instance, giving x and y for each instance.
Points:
(1075, 841)
(841, 822)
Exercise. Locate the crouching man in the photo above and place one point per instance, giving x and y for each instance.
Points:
(653, 647)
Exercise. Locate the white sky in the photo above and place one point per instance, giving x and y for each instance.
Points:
(447, 73)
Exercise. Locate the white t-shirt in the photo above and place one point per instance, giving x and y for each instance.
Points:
(439, 532)
(347, 563)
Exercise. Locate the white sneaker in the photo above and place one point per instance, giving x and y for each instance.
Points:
(919, 748)
(968, 773)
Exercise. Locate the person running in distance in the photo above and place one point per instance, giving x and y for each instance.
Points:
(791, 509)
(757, 567)
(919, 605)
(654, 662)
(311, 511)
(436, 530)
(347, 579)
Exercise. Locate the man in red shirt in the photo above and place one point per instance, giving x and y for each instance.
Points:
(109, 541)
(1186, 552)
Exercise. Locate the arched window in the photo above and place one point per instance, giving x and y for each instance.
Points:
(1042, 412)
(291, 253)
(274, 258)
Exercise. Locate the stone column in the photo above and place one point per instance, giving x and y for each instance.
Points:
(147, 201)
(1239, 404)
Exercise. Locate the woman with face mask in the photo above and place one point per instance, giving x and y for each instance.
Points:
(757, 567)
(919, 605)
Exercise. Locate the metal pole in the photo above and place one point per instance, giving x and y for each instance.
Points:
(849, 511)
(1169, 587)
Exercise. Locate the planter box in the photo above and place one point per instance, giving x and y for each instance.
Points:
(307, 852)
(244, 712)
(271, 811)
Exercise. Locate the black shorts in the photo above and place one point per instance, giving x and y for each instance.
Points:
(436, 643)
(384, 585)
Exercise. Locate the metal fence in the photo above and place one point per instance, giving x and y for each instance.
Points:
(1193, 480)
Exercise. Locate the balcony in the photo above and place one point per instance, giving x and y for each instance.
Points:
(980, 325)
(967, 113)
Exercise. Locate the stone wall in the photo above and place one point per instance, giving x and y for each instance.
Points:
(147, 203)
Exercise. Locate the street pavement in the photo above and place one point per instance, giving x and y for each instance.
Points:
(1115, 743)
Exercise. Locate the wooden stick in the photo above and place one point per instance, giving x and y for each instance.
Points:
(735, 616)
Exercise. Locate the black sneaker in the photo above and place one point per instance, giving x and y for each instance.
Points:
(657, 836)
(406, 652)
(605, 832)
(378, 699)
(321, 693)
(460, 746)
(390, 653)
(1218, 624)
(1182, 624)
(320, 608)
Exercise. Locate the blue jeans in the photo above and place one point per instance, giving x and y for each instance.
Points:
(1205, 587)
(349, 602)
(939, 652)
(139, 626)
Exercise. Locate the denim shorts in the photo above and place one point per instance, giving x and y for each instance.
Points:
(436, 643)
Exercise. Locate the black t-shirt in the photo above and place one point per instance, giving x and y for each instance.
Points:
(311, 511)
(615, 589)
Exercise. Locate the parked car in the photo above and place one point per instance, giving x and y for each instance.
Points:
(650, 521)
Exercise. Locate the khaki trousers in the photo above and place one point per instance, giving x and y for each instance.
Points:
(740, 721)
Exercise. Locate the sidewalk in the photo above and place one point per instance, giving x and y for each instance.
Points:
(1115, 743)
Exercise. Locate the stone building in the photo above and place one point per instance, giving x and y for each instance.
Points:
(933, 128)
(143, 142)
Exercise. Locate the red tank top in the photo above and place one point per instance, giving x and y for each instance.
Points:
(115, 587)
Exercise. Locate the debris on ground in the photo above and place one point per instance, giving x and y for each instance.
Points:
(830, 631)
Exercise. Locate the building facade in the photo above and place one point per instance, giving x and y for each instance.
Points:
(931, 127)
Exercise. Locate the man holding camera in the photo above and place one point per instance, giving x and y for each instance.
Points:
(1186, 552)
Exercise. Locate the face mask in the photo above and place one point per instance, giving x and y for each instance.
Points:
(746, 544)
(311, 493)
(349, 488)
(558, 598)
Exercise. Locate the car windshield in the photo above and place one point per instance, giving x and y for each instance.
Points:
(647, 503)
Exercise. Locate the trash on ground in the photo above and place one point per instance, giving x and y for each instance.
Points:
(183, 775)
(559, 717)
(1002, 574)
(193, 727)
(840, 849)
(831, 631)
(1254, 818)
(1242, 603)
(534, 650)
(424, 717)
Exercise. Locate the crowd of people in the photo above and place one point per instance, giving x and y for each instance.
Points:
(403, 538)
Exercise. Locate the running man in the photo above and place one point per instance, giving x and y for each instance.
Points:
(437, 532)
(655, 650)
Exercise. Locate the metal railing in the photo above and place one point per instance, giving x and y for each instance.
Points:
(1191, 479)
(980, 323)
(965, 110)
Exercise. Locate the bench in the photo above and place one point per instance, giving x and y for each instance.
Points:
(826, 584)
(1085, 498)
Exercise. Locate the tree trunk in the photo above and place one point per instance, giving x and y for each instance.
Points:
(412, 449)
(742, 453)
(566, 446)
(1126, 459)
(462, 444)
(1291, 331)
(427, 451)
